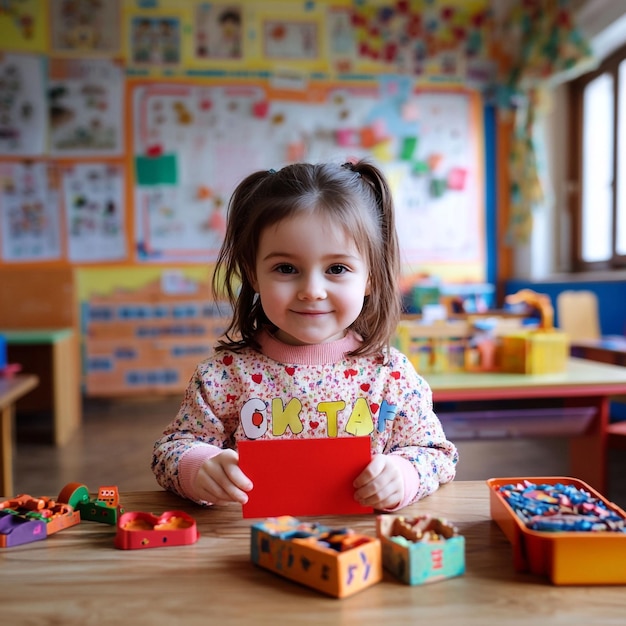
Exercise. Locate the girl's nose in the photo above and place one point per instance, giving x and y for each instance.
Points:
(312, 288)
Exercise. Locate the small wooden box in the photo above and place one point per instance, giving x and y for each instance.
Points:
(337, 562)
(415, 561)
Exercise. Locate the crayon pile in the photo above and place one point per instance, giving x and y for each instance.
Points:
(560, 507)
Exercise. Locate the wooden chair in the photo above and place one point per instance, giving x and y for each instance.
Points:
(577, 312)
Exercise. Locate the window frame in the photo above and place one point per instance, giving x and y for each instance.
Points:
(576, 89)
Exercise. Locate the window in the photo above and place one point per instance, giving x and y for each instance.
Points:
(597, 166)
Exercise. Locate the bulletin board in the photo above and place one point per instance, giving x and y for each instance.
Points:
(126, 125)
(193, 143)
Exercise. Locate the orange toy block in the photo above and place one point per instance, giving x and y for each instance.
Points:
(337, 562)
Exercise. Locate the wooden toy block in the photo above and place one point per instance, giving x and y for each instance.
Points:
(534, 352)
(420, 550)
(437, 347)
(337, 562)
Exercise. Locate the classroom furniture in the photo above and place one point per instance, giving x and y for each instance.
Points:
(584, 388)
(607, 350)
(39, 318)
(148, 340)
(11, 390)
(77, 576)
(52, 355)
(577, 311)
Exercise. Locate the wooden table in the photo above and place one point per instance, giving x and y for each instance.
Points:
(53, 356)
(606, 350)
(11, 389)
(78, 577)
(584, 384)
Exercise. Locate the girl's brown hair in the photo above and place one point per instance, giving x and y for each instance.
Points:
(357, 197)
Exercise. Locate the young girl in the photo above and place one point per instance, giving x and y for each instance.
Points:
(310, 264)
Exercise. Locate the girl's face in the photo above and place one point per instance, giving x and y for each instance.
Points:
(311, 279)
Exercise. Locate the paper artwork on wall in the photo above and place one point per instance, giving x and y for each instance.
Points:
(155, 40)
(184, 177)
(283, 39)
(193, 144)
(94, 208)
(23, 111)
(24, 25)
(440, 205)
(86, 99)
(218, 31)
(85, 27)
(29, 213)
(342, 43)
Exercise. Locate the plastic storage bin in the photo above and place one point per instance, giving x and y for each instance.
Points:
(566, 558)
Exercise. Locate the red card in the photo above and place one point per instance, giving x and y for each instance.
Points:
(303, 476)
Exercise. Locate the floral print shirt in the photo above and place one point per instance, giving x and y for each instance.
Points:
(316, 391)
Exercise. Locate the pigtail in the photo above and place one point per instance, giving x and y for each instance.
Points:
(382, 308)
(233, 272)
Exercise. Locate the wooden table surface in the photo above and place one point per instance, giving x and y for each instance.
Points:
(583, 383)
(78, 577)
(581, 377)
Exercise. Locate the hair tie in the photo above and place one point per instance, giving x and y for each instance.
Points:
(350, 166)
(271, 171)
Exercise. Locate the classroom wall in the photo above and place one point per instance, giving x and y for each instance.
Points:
(547, 251)
(542, 263)
(107, 173)
(147, 131)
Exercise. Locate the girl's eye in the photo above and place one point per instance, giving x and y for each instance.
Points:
(286, 269)
(337, 269)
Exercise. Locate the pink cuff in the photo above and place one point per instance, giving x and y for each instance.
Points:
(411, 480)
(189, 466)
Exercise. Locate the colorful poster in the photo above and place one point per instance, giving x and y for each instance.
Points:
(284, 39)
(85, 27)
(193, 144)
(29, 213)
(155, 40)
(86, 99)
(94, 210)
(23, 111)
(341, 39)
(218, 31)
(24, 25)
(186, 165)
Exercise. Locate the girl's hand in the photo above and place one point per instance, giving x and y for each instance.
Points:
(380, 485)
(220, 481)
